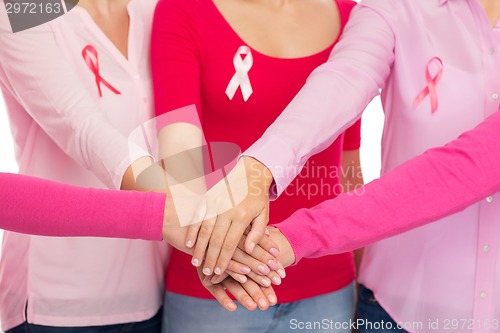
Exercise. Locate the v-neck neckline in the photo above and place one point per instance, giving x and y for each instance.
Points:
(111, 47)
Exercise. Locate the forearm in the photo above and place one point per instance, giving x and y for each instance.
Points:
(440, 182)
(351, 176)
(332, 99)
(40, 207)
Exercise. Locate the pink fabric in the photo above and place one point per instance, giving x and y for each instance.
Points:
(437, 183)
(64, 131)
(446, 270)
(41, 207)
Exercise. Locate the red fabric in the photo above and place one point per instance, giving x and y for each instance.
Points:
(192, 58)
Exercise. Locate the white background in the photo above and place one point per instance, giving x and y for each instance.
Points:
(370, 143)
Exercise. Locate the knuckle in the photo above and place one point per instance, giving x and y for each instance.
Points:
(242, 214)
(205, 231)
(215, 241)
(229, 245)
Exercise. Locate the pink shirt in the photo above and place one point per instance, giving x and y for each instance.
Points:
(443, 271)
(64, 131)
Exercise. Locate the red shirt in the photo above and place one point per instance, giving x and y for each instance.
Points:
(192, 57)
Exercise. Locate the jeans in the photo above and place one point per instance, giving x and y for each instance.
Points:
(152, 325)
(375, 318)
(184, 314)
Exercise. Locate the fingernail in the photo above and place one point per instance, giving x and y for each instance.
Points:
(245, 269)
(281, 273)
(276, 280)
(274, 251)
(272, 299)
(267, 232)
(217, 271)
(252, 246)
(273, 264)
(262, 303)
(230, 306)
(206, 271)
(263, 269)
(195, 262)
(265, 282)
(242, 278)
(190, 245)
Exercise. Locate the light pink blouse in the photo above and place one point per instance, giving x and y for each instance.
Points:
(65, 131)
(436, 63)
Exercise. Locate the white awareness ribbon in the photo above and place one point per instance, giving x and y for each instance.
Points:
(242, 61)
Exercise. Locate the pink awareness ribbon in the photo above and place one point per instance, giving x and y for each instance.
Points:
(430, 89)
(240, 78)
(89, 54)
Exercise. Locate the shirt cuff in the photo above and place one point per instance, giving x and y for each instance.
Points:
(279, 158)
(154, 229)
(135, 153)
(295, 236)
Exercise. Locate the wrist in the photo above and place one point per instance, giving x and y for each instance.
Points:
(259, 176)
(287, 255)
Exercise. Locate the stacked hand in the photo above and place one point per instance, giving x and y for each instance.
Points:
(233, 235)
(230, 247)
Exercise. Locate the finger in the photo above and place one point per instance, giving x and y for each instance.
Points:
(256, 266)
(263, 281)
(265, 257)
(219, 293)
(256, 292)
(215, 244)
(233, 237)
(222, 297)
(269, 245)
(195, 225)
(238, 267)
(215, 279)
(240, 293)
(192, 234)
(258, 230)
(270, 295)
(200, 248)
(237, 276)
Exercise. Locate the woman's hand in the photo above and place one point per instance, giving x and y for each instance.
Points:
(248, 294)
(286, 256)
(217, 237)
(262, 265)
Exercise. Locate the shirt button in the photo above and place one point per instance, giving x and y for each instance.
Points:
(491, 50)
(489, 199)
(486, 248)
(494, 96)
(137, 76)
(483, 295)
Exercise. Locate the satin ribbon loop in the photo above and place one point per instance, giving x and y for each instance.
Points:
(89, 54)
(430, 89)
(242, 61)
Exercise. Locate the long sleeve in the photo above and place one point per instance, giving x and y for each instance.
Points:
(40, 207)
(332, 99)
(51, 91)
(438, 183)
(175, 57)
